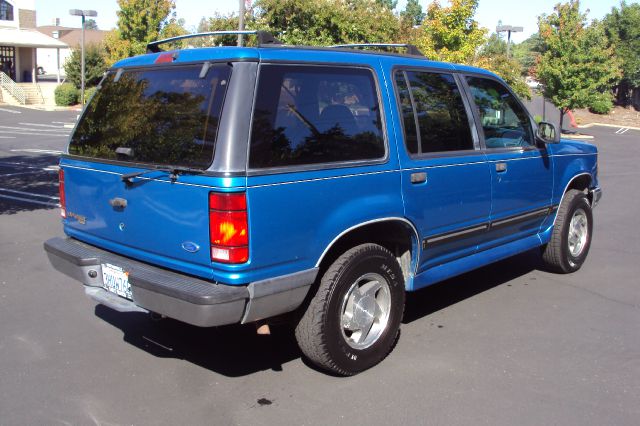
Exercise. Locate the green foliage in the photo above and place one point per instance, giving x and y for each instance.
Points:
(327, 22)
(413, 13)
(389, 4)
(602, 104)
(576, 64)
(494, 46)
(66, 94)
(450, 33)
(139, 22)
(220, 22)
(622, 27)
(88, 93)
(95, 66)
(90, 24)
(527, 53)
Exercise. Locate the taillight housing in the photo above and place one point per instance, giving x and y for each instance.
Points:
(228, 227)
(63, 200)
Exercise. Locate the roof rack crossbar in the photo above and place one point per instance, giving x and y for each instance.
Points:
(264, 37)
(411, 49)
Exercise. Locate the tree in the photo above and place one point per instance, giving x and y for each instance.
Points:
(495, 45)
(577, 68)
(139, 22)
(413, 13)
(95, 66)
(622, 27)
(527, 53)
(389, 4)
(90, 24)
(450, 33)
(327, 22)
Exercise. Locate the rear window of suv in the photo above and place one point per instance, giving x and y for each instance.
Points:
(163, 116)
(306, 115)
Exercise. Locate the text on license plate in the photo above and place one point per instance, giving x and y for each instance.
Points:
(116, 280)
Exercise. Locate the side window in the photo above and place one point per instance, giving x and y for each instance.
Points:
(315, 114)
(433, 112)
(504, 122)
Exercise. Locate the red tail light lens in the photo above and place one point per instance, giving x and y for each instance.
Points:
(63, 200)
(228, 227)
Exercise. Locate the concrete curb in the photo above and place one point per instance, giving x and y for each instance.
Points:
(618, 126)
(43, 107)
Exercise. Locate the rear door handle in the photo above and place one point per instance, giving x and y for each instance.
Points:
(420, 177)
(501, 167)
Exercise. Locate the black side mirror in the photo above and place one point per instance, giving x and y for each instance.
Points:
(547, 133)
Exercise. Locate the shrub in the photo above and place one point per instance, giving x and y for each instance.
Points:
(602, 104)
(66, 94)
(88, 93)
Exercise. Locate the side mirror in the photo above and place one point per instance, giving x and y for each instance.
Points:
(547, 133)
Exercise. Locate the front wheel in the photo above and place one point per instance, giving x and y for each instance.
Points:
(353, 320)
(571, 238)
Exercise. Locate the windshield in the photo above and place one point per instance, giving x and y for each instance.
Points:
(166, 116)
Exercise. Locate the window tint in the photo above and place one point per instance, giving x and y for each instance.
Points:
(166, 116)
(504, 121)
(311, 115)
(439, 113)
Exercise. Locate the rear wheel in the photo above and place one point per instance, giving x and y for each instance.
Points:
(571, 238)
(353, 320)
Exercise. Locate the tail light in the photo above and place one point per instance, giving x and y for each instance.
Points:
(228, 227)
(63, 200)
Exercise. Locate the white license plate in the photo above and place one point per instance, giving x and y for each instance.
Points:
(116, 280)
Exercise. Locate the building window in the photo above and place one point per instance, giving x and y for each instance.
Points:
(6, 11)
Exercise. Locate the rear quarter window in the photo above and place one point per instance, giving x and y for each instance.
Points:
(306, 115)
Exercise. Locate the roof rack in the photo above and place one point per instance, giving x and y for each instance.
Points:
(264, 37)
(411, 49)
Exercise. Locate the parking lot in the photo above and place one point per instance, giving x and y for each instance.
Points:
(507, 344)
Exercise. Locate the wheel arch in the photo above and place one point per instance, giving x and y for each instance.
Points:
(397, 234)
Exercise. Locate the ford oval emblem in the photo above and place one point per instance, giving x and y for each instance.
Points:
(190, 246)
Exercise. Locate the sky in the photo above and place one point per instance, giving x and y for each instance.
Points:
(516, 13)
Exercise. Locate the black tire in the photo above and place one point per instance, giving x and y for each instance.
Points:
(320, 333)
(557, 254)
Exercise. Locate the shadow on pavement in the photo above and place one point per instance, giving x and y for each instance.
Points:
(237, 350)
(25, 185)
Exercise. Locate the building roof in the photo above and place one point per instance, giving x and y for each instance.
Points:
(72, 36)
(21, 37)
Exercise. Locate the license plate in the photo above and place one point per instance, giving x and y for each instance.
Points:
(116, 280)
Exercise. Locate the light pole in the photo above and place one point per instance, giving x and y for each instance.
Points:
(240, 21)
(508, 29)
(83, 14)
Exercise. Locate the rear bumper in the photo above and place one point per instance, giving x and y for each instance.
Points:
(182, 297)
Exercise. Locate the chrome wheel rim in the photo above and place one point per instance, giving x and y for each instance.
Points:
(578, 232)
(364, 314)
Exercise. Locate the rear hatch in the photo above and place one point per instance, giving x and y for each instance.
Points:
(136, 179)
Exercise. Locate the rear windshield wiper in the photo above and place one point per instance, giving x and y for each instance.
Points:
(173, 171)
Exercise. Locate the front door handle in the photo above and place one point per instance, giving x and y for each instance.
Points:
(501, 167)
(420, 177)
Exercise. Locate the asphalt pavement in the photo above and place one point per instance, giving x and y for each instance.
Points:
(507, 344)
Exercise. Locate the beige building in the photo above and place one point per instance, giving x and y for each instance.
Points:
(19, 42)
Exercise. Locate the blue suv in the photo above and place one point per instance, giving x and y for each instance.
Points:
(239, 184)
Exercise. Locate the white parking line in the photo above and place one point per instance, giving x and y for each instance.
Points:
(64, 135)
(37, 151)
(7, 137)
(45, 203)
(31, 194)
(42, 125)
(29, 129)
(622, 131)
(10, 110)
